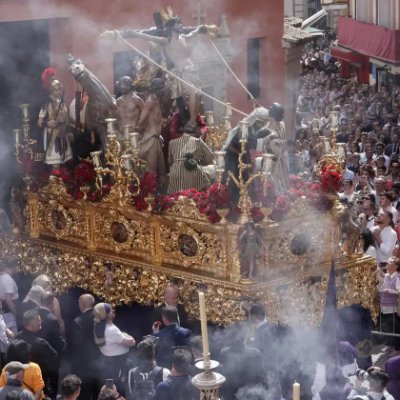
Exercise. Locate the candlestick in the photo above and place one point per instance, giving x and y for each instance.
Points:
(228, 110)
(204, 332)
(341, 149)
(25, 110)
(17, 135)
(296, 391)
(127, 162)
(96, 158)
(244, 126)
(220, 159)
(227, 123)
(210, 118)
(134, 136)
(110, 125)
(334, 119)
(267, 162)
(126, 129)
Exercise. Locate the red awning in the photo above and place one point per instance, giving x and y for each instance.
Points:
(348, 55)
(371, 40)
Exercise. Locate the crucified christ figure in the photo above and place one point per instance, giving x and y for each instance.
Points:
(173, 40)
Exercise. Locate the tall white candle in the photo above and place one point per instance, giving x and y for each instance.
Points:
(296, 391)
(228, 110)
(210, 118)
(203, 320)
(245, 129)
(17, 135)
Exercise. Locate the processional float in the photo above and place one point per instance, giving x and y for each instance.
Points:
(125, 255)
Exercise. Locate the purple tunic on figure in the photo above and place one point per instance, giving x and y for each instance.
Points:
(392, 367)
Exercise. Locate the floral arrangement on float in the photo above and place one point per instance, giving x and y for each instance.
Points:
(80, 181)
(215, 202)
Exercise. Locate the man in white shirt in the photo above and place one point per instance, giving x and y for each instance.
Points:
(385, 237)
(377, 379)
(368, 207)
(8, 293)
(385, 202)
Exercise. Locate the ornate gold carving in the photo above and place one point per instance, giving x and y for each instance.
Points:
(116, 232)
(183, 244)
(186, 208)
(54, 187)
(33, 208)
(294, 298)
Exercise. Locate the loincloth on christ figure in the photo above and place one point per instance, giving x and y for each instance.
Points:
(189, 74)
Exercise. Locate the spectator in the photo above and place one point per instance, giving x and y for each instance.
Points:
(14, 377)
(385, 202)
(240, 364)
(32, 300)
(50, 325)
(367, 243)
(377, 379)
(171, 336)
(41, 351)
(9, 293)
(389, 289)
(113, 343)
(45, 283)
(178, 386)
(20, 351)
(85, 353)
(385, 237)
(171, 298)
(143, 379)
(70, 388)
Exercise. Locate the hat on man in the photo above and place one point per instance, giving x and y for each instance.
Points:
(14, 367)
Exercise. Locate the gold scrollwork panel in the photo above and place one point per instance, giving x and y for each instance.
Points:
(60, 222)
(183, 244)
(117, 233)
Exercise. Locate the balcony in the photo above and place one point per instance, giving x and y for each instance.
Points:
(329, 5)
(368, 39)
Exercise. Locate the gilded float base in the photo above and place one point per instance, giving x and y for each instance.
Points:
(295, 298)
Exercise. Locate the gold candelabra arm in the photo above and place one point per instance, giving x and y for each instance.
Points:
(233, 177)
(252, 177)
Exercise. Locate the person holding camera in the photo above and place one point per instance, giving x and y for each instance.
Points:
(377, 380)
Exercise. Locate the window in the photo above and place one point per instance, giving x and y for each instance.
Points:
(363, 10)
(385, 13)
(253, 66)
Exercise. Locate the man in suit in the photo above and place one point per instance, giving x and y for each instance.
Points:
(84, 350)
(42, 352)
(264, 340)
(170, 337)
(171, 298)
(50, 326)
(394, 146)
(241, 364)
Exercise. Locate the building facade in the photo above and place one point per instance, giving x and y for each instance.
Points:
(369, 41)
(254, 51)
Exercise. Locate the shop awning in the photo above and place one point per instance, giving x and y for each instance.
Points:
(371, 40)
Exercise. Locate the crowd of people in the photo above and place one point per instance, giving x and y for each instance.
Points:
(92, 358)
(368, 123)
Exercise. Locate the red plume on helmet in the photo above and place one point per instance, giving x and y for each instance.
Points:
(48, 75)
